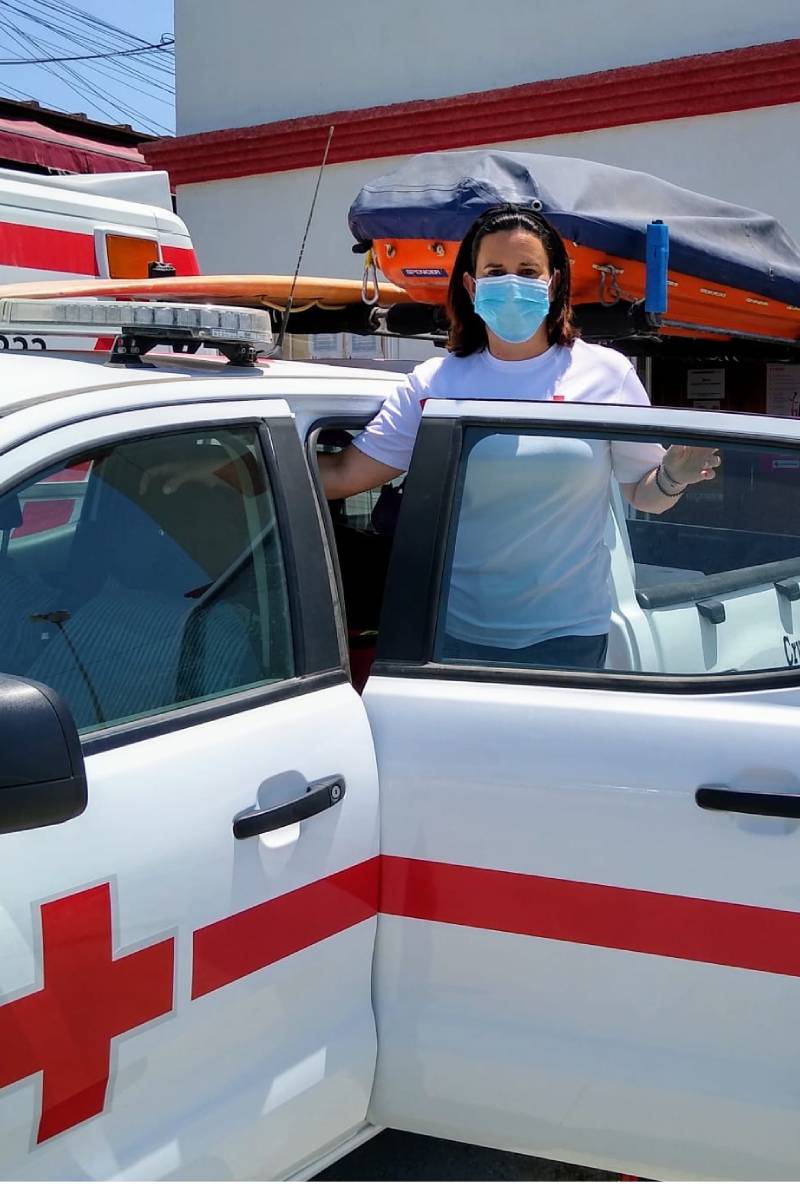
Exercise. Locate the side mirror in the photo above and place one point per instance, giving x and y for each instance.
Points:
(42, 776)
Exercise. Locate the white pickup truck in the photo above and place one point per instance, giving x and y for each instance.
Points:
(250, 915)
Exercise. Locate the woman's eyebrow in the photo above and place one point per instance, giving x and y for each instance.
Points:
(523, 262)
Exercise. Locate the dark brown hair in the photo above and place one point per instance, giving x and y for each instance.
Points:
(467, 330)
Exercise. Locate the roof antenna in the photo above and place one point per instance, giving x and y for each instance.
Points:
(287, 311)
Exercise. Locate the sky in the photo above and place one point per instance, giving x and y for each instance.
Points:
(127, 100)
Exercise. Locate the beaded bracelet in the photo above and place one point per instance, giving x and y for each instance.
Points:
(663, 490)
(674, 482)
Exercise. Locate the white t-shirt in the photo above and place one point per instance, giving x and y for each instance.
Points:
(530, 562)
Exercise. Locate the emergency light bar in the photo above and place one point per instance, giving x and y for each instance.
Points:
(238, 333)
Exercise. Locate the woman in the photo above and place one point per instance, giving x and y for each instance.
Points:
(535, 588)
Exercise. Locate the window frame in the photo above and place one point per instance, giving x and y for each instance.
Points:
(318, 659)
(412, 601)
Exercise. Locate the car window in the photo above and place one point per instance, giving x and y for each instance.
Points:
(548, 566)
(154, 590)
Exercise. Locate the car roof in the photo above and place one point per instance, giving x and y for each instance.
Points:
(29, 378)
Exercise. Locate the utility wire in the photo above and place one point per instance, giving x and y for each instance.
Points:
(92, 19)
(67, 15)
(106, 59)
(63, 76)
(105, 103)
(104, 72)
(140, 71)
(40, 62)
(144, 70)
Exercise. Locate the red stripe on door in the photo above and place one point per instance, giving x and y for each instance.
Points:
(590, 914)
(40, 248)
(239, 945)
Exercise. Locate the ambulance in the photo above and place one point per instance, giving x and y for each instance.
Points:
(279, 872)
(108, 226)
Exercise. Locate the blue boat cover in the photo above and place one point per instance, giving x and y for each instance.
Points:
(438, 196)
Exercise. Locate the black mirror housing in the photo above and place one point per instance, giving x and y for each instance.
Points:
(42, 773)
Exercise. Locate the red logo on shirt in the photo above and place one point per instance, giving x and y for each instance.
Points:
(559, 399)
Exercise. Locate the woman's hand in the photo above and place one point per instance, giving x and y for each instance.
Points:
(211, 470)
(169, 477)
(684, 465)
(661, 488)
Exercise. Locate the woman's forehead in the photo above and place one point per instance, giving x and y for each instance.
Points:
(517, 243)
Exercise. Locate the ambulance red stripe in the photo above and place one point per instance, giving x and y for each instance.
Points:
(40, 247)
(183, 260)
(591, 914)
(565, 910)
(249, 940)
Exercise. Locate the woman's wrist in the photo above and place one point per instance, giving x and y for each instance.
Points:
(681, 487)
(671, 480)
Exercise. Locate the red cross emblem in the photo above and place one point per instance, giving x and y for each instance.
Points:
(65, 1029)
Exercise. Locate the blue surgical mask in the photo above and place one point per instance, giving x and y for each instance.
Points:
(511, 305)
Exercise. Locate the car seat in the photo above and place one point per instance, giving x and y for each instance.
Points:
(148, 639)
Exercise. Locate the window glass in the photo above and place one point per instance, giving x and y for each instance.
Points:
(560, 558)
(146, 577)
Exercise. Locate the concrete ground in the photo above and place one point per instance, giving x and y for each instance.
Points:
(406, 1156)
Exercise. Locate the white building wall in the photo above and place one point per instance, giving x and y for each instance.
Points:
(256, 223)
(245, 62)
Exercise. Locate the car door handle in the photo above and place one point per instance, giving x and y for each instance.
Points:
(321, 794)
(760, 804)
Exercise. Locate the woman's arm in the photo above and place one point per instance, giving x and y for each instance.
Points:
(351, 471)
(660, 488)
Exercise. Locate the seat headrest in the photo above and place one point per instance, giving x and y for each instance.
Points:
(10, 513)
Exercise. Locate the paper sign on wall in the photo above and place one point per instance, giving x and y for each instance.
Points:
(706, 384)
(327, 345)
(364, 345)
(783, 389)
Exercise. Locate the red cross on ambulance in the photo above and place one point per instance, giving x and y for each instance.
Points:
(88, 997)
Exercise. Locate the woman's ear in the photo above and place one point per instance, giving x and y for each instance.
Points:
(555, 280)
(469, 285)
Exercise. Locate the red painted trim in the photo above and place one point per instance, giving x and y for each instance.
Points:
(698, 85)
(590, 914)
(239, 945)
(46, 249)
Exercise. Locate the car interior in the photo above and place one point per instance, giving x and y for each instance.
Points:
(144, 600)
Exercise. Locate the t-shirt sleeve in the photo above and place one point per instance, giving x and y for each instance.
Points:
(631, 460)
(391, 433)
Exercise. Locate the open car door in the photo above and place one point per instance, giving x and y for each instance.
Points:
(589, 941)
